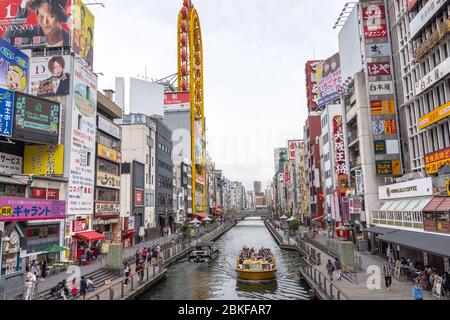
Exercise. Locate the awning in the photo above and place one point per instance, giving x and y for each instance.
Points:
(427, 242)
(90, 236)
(319, 218)
(8, 180)
(435, 204)
(200, 214)
(404, 205)
(381, 230)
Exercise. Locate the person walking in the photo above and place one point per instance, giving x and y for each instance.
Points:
(144, 255)
(338, 268)
(138, 256)
(417, 291)
(330, 269)
(387, 271)
(30, 281)
(83, 287)
(127, 273)
(43, 264)
(140, 271)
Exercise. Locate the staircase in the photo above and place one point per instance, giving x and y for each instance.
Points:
(98, 277)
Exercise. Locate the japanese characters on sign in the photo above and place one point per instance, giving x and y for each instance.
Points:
(10, 164)
(432, 77)
(6, 112)
(22, 209)
(36, 119)
(382, 107)
(388, 167)
(355, 205)
(109, 127)
(295, 145)
(42, 193)
(287, 177)
(44, 160)
(107, 209)
(375, 32)
(330, 80)
(379, 69)
(79, 225)
(13, 67)
(435, 116)
(430, 8)
(381, 127)
(377, 50)
(386, 146)
(108, 180)
(82, 139)
(177, 101)
(312, 83)
(434, 161)
(380, 88)
(339, 150)
(138, 197)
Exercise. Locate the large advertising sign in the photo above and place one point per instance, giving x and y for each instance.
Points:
(83, 32)
(108, 180)
(380, 88)
(82, 152)
(425, 14)
(6, 112)
(13, 67)
(109, 154)
(109, 127)
(10, 164)
(312, 83)
(295, 145)
(177, 101)
(44, 160)
(330, 80)
(432, 77)
(107, 209)
(50, 76)
(138, 197)
(434, 161)
(199, 144)
(339, 151)
(36, 24)
(36, 119)
(23, 209)
(435, 116)
(409, 189)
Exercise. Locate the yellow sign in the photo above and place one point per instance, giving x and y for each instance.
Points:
(381, 107)
(44, 160)
(447, 183)
(83, 32)
(434, 116)
(434, 161)
(109, 154)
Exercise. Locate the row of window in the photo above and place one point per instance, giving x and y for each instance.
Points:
(164, 148)
(164, 182)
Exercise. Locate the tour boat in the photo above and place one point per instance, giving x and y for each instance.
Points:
(204, 252)
(256, 267)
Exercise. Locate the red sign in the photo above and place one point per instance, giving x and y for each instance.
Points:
(138, 197)
(379, 68)
(293, 146)
(177, 98)
(79, 225)
(287, 177)
(40, 193)
(339, 149)
(312, 84)
(374, 12)
(375, 32)
(410, 4)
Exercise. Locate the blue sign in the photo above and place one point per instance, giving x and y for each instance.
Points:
(6, 112)
(14, 65)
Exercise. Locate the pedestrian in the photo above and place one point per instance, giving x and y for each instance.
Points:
(30, 281)
(83, 287)
(43, 264)
(140, 271)
(64, 291)
(126, 272)
(138, 256)
(330, 269)
(173, 242)
(417, 291)
(74, 290)
(144, 255)
(338, 268)
(387, 271)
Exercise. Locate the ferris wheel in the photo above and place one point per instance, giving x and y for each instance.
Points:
(190, 79)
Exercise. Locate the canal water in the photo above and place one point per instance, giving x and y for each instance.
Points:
(217, 280)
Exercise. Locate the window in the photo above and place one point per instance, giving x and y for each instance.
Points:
(80, 120)
(88, 159)
(107, 195)
(108, 141)
(108, 167)
(11, 190)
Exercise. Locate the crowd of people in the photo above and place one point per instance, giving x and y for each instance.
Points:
(263, 254)
(76, 290)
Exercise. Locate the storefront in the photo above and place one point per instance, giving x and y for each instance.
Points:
(88, 241)
(128, 232)
(436, 215)
(107, 221)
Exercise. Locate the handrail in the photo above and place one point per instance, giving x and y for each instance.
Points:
(312, 272)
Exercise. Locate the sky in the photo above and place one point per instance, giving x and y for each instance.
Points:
(254, 61)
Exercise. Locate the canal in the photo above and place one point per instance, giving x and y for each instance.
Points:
(217, 280)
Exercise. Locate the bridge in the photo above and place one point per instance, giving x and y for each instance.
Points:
(253, 213)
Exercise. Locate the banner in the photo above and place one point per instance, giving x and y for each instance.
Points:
(435, 116)
(109, 154)
(10, 164)
(107, 209)
(36, 119)
(330, 80)
(83, 33)
(23, 209)
(379, 69)
(36, 24)
(177, 101)
(434, 161)
(138, 197)
(50, 76)
(313, 73)
(44, 160)
(6, 112)
(295, 145)
(339, 151)
(82, 142)
(14, 66)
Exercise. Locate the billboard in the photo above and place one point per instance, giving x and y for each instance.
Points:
(50, 76)
(83, 32)
(377, 69)
(295, 145)
(36, 24)
(108, 180)
(14, 67)
(330, 80)
(24, 209)
(177, 101)
(382, 107)
(199, 144)
(377, 50)
(44, 160)
(312, 83)
(109, 127)
(36, 119)
(109, 154)
(82, 142)
(6, 112)
(107, 209)
(434, 161)
(340, 161)
(10, 164)
(439, 72)
(388, 167)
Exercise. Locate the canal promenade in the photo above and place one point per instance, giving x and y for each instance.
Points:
(360, 285)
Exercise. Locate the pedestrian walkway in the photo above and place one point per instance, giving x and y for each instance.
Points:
(399, 290)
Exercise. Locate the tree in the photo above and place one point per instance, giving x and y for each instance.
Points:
(186, 230)
(293, 225)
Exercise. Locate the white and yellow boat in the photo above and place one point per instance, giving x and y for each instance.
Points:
(256, 269)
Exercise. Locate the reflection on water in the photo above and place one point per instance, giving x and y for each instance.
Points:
(217, 280)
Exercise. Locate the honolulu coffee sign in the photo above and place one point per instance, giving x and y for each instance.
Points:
(409, 189)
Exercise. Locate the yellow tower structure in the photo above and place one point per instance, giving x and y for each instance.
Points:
(190, 79)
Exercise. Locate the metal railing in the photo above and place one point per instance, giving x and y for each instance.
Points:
(327, 288)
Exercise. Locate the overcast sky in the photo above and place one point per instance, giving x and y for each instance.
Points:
(254, 51)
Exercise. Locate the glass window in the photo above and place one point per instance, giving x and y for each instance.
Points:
(12, 190)
(107, 195)
(108, 167)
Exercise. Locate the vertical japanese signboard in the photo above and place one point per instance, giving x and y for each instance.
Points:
(339, 151)
(313, 71)
(294, 145)
(380, 88)
(6, 112)
(82, 146)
